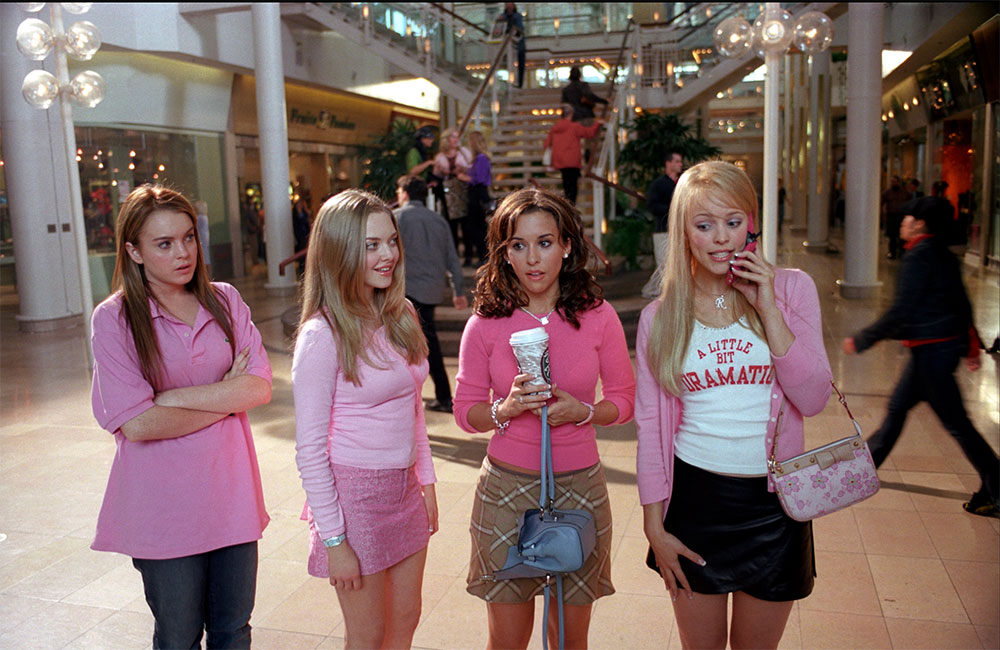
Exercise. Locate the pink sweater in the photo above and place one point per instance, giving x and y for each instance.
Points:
(802, 379)
(578, 357)
(377, 425)
(188, 495)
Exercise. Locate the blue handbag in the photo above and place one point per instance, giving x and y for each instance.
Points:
(550, 542)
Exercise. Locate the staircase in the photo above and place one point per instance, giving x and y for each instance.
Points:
(519, 144)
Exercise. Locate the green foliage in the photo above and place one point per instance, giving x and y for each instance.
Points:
(631, 233)
(640, 161)
(384, 159)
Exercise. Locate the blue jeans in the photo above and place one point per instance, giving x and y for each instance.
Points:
(212, 592)
(930, 376)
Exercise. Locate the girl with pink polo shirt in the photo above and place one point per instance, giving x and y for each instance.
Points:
(361, 442)
(177, 363)
(731, 342)
(536, 276)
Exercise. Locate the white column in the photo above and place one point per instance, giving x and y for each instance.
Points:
(818, 160)
(272, 126)
(36, 170)
(864, 142)
(772, 156)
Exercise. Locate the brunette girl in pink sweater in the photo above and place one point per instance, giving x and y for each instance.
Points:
(361, 443)
(536, 276)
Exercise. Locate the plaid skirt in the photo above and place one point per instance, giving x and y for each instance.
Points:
(501, 497)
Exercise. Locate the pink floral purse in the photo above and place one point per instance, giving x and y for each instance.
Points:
(825, 479)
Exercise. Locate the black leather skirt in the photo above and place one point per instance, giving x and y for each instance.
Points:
(748, 542)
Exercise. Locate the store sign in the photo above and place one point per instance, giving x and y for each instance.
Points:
(322, 119)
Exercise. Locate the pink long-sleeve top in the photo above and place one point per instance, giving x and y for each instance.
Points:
(577, 358)
(377, 425)
(802, 381)
(200, 492)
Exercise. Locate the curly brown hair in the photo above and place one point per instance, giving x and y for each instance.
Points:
(498, 292)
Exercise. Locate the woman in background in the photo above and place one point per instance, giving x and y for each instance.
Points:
(480, 179)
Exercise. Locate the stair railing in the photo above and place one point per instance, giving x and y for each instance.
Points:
(474, 106)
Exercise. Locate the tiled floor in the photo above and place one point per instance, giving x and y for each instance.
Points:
(906, 569)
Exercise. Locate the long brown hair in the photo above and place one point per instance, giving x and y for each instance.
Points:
(130, 278)
(670, 332)
(334, 284)
(498, 292)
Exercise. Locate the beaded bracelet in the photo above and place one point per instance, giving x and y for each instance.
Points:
(501, 428)
(590, 416)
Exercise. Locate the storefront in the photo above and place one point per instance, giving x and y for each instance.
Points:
(326, 129)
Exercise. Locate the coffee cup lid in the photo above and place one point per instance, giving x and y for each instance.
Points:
(534, 335)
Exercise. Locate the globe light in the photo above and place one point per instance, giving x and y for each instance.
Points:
(732, 37)
(40, 88)
(87, 89)
(813, 32)
(77, 7)
(31, 7)
(775, 29)
(83, 39)
(34, 39)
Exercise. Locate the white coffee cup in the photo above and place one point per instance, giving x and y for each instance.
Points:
(531, 349)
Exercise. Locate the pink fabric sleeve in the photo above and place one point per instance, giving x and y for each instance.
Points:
(119, 392)
(617, 377)
(472, 384)
(804, 370)
(314, 383)
(652, 475)
(247, 335)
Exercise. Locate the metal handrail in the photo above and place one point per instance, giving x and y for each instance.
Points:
(612, 92)
(613, 185)
(486, 82)
(442, 9)
(288, 260)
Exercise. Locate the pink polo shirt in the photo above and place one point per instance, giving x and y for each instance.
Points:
(173, 498)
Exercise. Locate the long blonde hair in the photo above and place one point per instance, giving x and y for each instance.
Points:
(129, 278)
(477, 141)
(334, 285)
(670, 332)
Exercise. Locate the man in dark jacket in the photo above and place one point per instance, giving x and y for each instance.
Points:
(579, 95)
(658, 197)
(932, 316)
(430, 254)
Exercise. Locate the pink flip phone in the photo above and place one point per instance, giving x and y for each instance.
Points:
(751, 245)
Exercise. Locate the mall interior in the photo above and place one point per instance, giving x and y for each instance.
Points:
(263, 106)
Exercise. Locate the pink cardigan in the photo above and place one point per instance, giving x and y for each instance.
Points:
(802, 379)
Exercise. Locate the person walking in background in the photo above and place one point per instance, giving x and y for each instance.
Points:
(432, 255)
(177, 363)
(420, 162)
(360, 438)
(251, 233)
(913, 188)
(658, 198)
(931, 314)
(480, 179)
(452, 165)
(536, 276)
(717, 360)
(892, 203)
(301, 222)
(564, 140)
(515, 22)
(580, 97)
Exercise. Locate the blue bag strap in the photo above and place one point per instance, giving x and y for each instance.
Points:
(545, 612)
(548, 492)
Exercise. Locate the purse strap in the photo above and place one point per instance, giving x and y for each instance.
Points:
(781, 414)
(547, 494)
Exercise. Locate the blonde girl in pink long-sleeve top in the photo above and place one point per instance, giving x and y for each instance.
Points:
(361, 442)
(718, 356)
(177, 363)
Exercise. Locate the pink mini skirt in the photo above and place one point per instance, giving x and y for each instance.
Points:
(385, 517)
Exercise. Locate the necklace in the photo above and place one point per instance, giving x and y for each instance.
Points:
(544, 320)
(720, 300)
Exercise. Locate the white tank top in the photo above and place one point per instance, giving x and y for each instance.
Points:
(727, 400)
